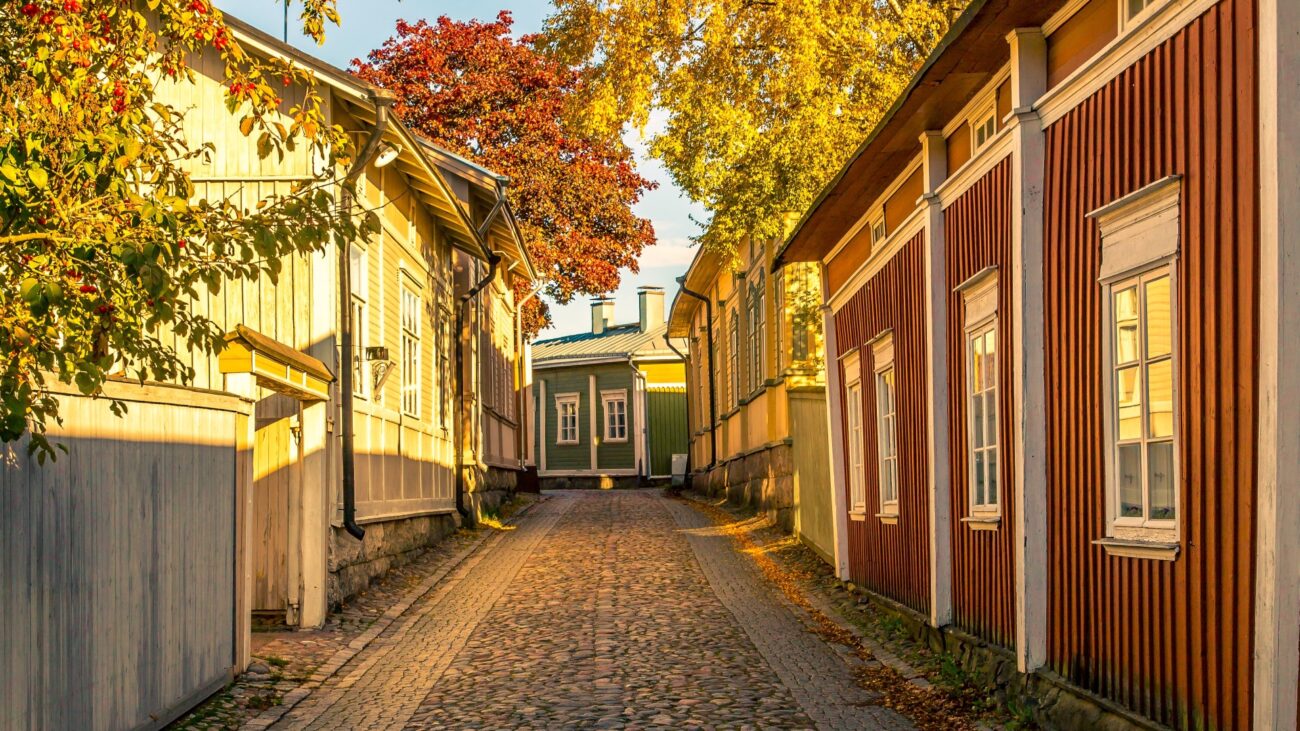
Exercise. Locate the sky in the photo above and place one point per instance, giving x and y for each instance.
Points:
(368, 23)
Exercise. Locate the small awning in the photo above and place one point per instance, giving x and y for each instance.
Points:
(276, 366)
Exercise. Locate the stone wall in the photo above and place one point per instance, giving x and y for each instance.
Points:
(590, 482)
(486, 491)
(354, 564)
(761, 480)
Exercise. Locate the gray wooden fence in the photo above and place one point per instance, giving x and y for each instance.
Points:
(118, 563)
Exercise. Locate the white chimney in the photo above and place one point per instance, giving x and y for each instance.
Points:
(602, 314)
(652, 307)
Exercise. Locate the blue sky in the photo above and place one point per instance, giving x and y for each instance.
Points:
(367, 23)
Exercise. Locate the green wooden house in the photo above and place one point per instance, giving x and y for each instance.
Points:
(610, 404)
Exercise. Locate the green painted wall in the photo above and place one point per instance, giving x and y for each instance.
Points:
(561, 457)
(666, 419)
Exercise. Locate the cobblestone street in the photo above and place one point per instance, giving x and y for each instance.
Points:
(598, 610)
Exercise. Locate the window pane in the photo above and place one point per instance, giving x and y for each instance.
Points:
(993, 477)
(1160, 479)
(1160, 399)
(977, 421)
(1126, 325)
(979, 478)
(977, 363)
(1130, 480)
(1158, 317)
(1128, 395)
(990, 418)
(990, 359)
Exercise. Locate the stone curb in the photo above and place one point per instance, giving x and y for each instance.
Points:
(824, 608)
(345, 654)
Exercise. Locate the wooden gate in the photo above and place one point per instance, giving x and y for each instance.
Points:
(274, 490)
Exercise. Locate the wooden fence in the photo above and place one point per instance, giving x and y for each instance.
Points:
(118, 562)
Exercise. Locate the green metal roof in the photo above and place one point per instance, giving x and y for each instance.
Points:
(616, 341)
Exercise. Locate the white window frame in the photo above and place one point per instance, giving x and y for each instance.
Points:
(561, 401)
(412, 330)
(359, 260)
(879, 231)
(980, 300)
(444, 377)
(1127, 21)
(734, 356)
(882, 366)
(985, 122)
(613, 396)
(855, 459)
(1140, 243)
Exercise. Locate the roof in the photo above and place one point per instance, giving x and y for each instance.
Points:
(698, 278)
(974, 49)
(618, 341)
(358, 97)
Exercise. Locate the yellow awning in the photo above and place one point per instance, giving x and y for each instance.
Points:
(276, 366)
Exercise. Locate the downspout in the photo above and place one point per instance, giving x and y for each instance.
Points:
(713, 394)
(521, 399)
(382, 102)
(493, 260)
(685, 360)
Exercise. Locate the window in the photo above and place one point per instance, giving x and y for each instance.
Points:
(615, 408)
(359, 281)
(444, 377)
(778, 287)
(853, 411)
(886, 424)
(566, 413)
(1139, 236)
(983, 127)
(1135, 8)
(412, 315)
(734, 357)
(980, 296)
(878, 231)
(757, 321)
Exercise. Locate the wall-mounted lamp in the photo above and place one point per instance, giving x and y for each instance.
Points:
(387, 153)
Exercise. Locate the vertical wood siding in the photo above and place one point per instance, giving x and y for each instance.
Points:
(1171, 640)
(117, 567)
(893, 560)
(977, 227)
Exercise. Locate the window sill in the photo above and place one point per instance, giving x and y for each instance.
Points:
(982, 522)
(1138, 549)
(615, 441)
(888, 518)
(567, 444)
(858, 515)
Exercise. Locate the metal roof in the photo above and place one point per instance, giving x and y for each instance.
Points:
(617, 341)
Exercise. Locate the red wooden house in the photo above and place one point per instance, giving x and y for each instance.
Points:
(1062, 280)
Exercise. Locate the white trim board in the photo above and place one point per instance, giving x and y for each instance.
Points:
(914, 224)
(869, 212)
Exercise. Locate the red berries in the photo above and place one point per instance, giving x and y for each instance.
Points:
(199, 7)
(180, 243)
(71, 6)
(30, 9)
(88, 289)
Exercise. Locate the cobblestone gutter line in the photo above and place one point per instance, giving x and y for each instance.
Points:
(340, 658)
(821, 681)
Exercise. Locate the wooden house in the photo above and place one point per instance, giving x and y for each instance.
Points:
(756, 378)
(610, 404)
(319, 449)
(1060, 279)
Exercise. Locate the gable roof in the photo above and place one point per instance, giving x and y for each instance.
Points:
(618, 341)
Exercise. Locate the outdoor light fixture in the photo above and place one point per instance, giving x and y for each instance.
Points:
(387, 153)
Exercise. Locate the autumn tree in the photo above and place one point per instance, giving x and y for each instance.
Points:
(102, 243)
(471, 88)
(764, 99)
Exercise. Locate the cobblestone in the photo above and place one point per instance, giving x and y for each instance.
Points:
(601, 610)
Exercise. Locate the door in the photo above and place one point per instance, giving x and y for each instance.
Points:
(273, 492)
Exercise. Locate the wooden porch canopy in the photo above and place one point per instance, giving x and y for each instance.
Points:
(276, 366)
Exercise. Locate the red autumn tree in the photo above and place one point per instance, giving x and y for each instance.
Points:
(473, 89)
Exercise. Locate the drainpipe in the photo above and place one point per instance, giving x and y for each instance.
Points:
(685, 360)
(382, 101)
(713, 394)
(493, 260)
(521, 399)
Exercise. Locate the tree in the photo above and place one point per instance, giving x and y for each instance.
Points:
(472, 89)
(764, 99)
(102, 246)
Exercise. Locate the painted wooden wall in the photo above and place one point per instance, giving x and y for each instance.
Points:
(117, 565)
(1172, 640)
(814, 519)
(666, 423)
(568, 457)
(893, 560)
(977, 231)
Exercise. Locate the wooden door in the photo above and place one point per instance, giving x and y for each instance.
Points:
(272, 492)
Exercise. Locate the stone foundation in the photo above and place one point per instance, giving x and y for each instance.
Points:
(1051, 701)
(354, 564)
(604, 482)
(488, 490)
(761, 480)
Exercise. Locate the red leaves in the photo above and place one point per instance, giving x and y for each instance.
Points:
(473, 89)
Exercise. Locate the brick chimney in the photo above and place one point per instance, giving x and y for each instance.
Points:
(602, 314)
(651, 300)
